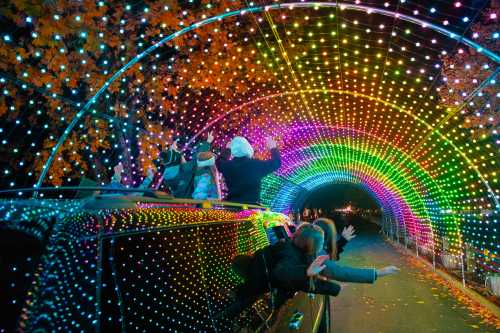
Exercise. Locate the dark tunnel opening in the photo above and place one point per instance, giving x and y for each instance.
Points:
(345, 204)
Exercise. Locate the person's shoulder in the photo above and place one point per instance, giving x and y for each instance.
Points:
(284, 247)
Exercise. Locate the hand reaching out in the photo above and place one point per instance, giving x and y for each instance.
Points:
(388, 270)
(317, 266)
(348, 233)
(270, 143)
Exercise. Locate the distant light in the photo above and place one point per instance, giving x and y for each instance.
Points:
(465, 19)
(433, 10)
(7, 38)
(458, 4)
(493, 16)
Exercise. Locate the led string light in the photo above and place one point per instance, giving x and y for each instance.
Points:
(389, 113)
(155, 272)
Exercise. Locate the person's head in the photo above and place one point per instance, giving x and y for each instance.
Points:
(170, 157)
(240, 147)
(330, 233)
(309, 238)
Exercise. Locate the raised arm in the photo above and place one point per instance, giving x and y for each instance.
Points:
(294, 276)
(268, 166)
(341, 242)
(147, 180)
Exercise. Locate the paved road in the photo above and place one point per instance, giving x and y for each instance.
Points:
(405, 303)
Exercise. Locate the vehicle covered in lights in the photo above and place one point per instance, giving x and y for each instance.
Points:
(145, 263)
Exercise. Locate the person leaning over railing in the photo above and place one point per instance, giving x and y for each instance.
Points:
(293, 266)
(243, 174)
(288, 266)
(333, 246)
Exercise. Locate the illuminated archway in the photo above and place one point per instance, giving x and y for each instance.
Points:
(350, 102)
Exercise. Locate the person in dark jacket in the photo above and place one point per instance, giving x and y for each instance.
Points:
(297, 265)
(291, 266)
(243, 174)
(332, 247)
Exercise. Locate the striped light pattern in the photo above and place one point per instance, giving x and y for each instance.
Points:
(356, 92)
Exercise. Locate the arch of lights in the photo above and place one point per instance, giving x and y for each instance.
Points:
(316, 5)
(350, 99)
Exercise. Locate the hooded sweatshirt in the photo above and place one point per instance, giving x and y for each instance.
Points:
(243, 174)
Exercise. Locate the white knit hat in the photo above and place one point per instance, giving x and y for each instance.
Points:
(240, 147)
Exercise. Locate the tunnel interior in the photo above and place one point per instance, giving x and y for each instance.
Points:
(396, 98)
(340, 196)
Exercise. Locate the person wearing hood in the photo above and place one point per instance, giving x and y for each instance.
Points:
(243, 174)
(177, 173)
(206, 180)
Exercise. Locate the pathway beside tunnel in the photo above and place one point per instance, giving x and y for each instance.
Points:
(408, 302)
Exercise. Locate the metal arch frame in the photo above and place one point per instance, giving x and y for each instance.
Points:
(243, 11)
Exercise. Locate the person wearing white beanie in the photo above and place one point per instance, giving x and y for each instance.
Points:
(243, 174)
(240, 147)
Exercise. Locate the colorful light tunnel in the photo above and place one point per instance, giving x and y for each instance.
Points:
(399, 98)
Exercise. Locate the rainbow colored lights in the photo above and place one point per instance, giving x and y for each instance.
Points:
(397, 97)
(143, 269)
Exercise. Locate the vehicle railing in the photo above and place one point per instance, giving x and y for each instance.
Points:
(120, 194)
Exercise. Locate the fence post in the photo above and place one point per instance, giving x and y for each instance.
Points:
(462, 264)
(406, 237)
(433, 254)
(397, 231)
(416, 241)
